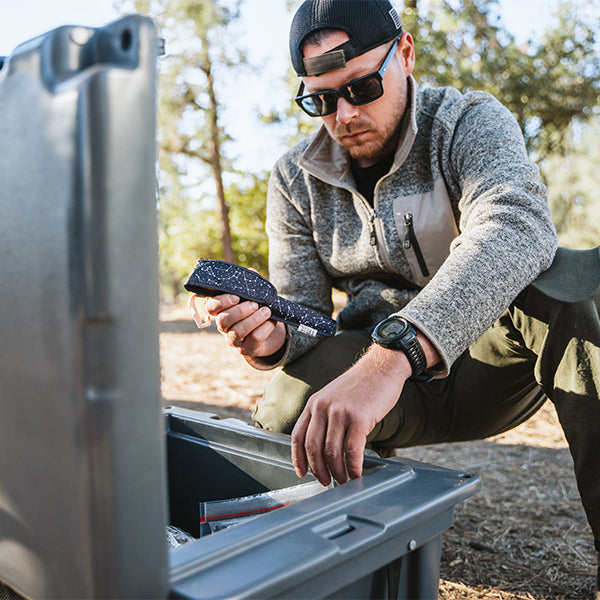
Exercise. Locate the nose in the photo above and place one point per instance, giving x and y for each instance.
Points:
(345, 111)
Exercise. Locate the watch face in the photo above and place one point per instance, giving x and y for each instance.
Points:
(392, 328)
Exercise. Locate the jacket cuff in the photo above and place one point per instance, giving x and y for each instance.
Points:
(296, 344)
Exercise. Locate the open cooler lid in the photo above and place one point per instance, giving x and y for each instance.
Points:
(82, 473)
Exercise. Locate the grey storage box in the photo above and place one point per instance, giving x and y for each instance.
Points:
(375, 537)
(91, 469)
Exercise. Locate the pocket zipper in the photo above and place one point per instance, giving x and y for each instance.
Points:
(411, 240)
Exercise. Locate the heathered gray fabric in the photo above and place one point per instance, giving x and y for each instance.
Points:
(469, 147)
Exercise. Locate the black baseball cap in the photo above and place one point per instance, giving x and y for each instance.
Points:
(368, 23)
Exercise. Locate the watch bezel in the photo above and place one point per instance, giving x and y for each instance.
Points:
(406, 341)
(386, 341)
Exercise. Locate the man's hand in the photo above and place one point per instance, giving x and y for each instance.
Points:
(331, 433)
(246, 326)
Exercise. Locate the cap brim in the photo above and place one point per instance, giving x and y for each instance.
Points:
(573, 276)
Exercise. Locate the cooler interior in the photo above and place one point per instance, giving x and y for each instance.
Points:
(214, 459)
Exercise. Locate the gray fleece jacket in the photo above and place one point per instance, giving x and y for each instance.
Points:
(458, 227)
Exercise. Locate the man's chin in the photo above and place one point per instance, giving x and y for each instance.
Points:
(370, 149)
(358, 151)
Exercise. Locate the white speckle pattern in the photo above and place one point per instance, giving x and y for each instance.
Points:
(211, 277)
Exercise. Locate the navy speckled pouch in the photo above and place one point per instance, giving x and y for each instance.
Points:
(212, 277)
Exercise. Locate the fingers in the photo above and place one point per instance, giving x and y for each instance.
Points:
(328, 444)
(247, 327)
(355, 444)
(313, 445)
(240, 319)
(331, 433)
(204, 308)
(260, 340)
(236, 319)
(299, 458)
(218, 304)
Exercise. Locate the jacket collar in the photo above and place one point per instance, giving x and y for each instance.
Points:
(327, 160)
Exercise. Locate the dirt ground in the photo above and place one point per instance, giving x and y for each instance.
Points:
(524, 536)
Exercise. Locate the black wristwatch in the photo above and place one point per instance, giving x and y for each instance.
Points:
(398, 334)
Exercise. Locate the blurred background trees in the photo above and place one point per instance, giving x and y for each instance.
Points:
(206, 207)
(210, 208)
(548, 84)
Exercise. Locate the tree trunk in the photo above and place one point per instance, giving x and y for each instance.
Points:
(215, 163)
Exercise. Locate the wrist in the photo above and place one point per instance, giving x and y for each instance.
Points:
(389, 361)
(271, 353)
(396, 333)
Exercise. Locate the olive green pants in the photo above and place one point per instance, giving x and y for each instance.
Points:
(541, 346)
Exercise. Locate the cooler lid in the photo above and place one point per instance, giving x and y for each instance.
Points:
(82, 476)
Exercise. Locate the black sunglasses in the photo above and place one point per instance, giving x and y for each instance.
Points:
(359, 91)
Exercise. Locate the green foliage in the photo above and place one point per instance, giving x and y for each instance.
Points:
(193, 161)
(546, 84)
(248, 208)
(552, 86)
(573, 179)
(189, 230)
(184, 236)
(294, 123)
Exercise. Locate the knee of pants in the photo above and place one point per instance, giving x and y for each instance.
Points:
(282, 402)
(288, 392)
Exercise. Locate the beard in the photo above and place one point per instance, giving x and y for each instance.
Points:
(375, 133)
(370, 145)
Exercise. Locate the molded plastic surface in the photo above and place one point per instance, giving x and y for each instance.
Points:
(82, 483)
(377, 536)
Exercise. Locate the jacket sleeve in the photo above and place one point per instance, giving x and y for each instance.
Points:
(294, 265)
(506, 232)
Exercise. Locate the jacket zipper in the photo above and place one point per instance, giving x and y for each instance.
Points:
(411, 240)
(372, 227)
(377, 236)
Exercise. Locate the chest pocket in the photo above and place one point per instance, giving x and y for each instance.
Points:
(426, 227)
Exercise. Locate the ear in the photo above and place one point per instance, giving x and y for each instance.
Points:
(406, 52)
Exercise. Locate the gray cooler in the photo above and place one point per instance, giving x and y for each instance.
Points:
(378, 536)
(91, 469)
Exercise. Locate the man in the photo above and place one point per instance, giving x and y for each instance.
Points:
(423, 207)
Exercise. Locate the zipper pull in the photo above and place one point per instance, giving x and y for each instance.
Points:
(372, 227)
(408, 223)
(411, 240)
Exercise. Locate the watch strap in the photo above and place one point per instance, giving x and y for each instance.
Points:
(414, 352)
(410, 345)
